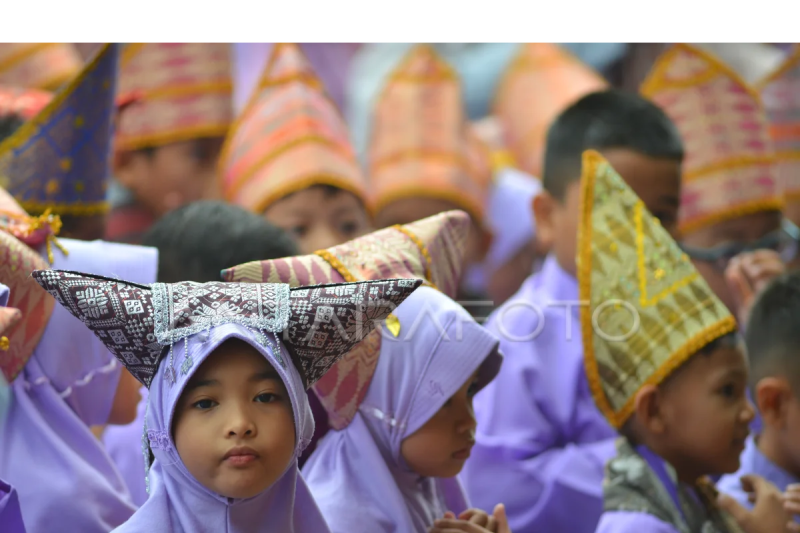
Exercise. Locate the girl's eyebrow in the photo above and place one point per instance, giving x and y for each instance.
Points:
(200, 383)
(265, 375)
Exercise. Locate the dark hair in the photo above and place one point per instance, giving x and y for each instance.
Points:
(328, 191)
(197, 241)
(773, 331)
(9, 124)
(605, 119)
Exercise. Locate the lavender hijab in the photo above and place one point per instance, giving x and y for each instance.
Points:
(47, 451)
(10, 516)
(357, 475)
(178, 502)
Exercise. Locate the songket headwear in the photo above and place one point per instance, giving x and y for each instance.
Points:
(649, 309)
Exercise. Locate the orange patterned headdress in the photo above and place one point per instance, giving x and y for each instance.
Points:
(43, 66)
(422, 144)
(780, 92)
(729, 169)
(432, 248)
(183, 90)
(541, 82)
(25, 103)
(290, 137)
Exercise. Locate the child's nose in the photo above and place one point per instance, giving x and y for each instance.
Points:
(241, 425)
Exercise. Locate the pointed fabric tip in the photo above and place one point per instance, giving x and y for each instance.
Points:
(290, 136)
(60, 159)
(634, 276)
(319, 325)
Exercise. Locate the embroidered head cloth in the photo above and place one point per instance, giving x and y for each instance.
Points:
(358, 475)
(729, 169)
(290, 137)
(184, 91)
(141, 324)
(432, 249)
(25, 103)
(60, 159)
(542, 81)
(43, 66)
(422, 144)
(780, 92)
(649, 309)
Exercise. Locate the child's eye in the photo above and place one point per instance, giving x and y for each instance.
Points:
(348, 228)
(473, 389)
(298, 231)
(204, 404)
(729, 390)
(267, 397)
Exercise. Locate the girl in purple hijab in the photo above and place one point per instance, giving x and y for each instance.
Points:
(70, 382)
(226, 365)
(393, 468)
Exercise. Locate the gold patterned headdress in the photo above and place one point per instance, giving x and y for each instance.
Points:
(649, 310)
(729, 170)
(780, 92)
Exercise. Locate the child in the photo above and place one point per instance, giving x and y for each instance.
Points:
(393, 468)
(195, 243)
(43, 66)
(168, 142)
(58, 161)
(777, 91)
(63, 380)
(289, 157)
(541, 442)
(432, 249)
(539, 84)
(731, 200)
(771, 344)
(10, 515)
(226, 365)
(424, 157)
(663, 366)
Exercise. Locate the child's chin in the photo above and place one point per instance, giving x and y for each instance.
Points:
(241, 493)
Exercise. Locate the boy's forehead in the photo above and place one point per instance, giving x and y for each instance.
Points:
(236, 359)
(721, 361)
(745, 229)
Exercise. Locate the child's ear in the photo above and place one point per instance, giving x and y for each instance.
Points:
(772, 397)
(648, 410)
(543, 206)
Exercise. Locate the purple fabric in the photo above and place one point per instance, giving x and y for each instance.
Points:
(541, 443)
(511, 222)
(357, 475)
(754, 462)
(124, 446)
(178, 502)
(47, 451)
(632, 522)
(10, 517)
(331, 62)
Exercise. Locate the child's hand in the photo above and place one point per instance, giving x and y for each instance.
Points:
(791, 502)
(473, 521)
(768, 514)
(747, 275)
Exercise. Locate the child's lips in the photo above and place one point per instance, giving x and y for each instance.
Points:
(240, 456)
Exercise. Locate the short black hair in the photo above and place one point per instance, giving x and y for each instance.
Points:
(605, 119)
(196, 242)
(773, 331)
(9, 124)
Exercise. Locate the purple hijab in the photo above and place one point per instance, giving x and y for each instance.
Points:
(357, 475)
(10, 515)
(124, 445)
(47, 451)
(178, 502)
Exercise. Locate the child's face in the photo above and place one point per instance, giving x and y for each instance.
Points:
(319, 218)
(171, 175)
(779, 407)
(83, 227)
(233, 425)
(704, 414)
(410, 210)
(730, 237)
(443, 444)
(656, 181)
